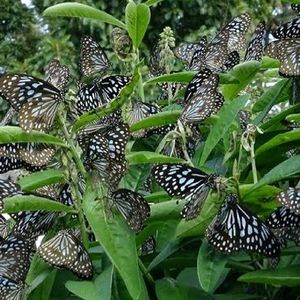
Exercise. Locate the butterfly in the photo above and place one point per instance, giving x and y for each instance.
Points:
(148, 246)
(8, 164)
(244, 118)
(4, 227)
(8, 189)
(174, 146)
(105, 151)
(15, 255)
(34, 99)
(98, 94)
(58, 75)
(155, 62)
(187, 182)
(65, 250)
(295, 7)
(133, 207)
(287, 52)
(288, 30)
(65, 195)
(222, 52)
(33, 154)
(92, 57)
(201, 98)
(291, 199)
(10, 290)
(235, 229)
(285, 224)
(255, 47)
(138, 112)
(192, 54)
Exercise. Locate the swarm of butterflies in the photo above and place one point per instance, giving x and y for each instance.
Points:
(103, 148)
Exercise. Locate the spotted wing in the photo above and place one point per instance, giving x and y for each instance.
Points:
(92, 57)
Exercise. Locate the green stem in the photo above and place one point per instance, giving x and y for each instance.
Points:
(140, 84)
(253, 164)
(72, 154)
(145, 272)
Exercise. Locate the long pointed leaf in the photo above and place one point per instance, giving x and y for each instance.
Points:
(72, 9)
(118, 242)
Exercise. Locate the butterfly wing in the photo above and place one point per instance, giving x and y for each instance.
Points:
(287, 52)
(232, 60)
(15, 254)
(133, 207)
(4, 227)
(9, 289)
(291, 199)
(92, 57)
(236, 229)
(288, 30)
(8, 189)
(255, 47)
(36, 100)
(58, 75)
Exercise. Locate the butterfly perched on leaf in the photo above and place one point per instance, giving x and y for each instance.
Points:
(291, 199)
(35, 100)
(285, 224)
(139, 111)
(255, 49)
(65, 250)
(234, 229)
(58, 75)
(31, 153)
(290, 29)
(148, 246)
(221, 54)
(287, 51)
(98, 94)
(15, 256)
(133, 207)
(186, 182)
(10, 289)
(93, 59)
(202, 98)
(104, 151)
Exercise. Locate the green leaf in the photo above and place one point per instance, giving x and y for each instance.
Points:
(293, 118)
(275, 122)
(148, 157)
(161, 118)
(99, 289)
(14, 134)
(237, 297)
(187, 77)
(210, 268)
(72, 9)
(276, 94)
(137, 18)
(170, 289)
(102, 111)
(227, 114)
(21, 202)
(152, 2)
(289, 276)
(269, 63)
(117, 240)
(38, 179)
(245, 73)
(285, 169)
(279, 139)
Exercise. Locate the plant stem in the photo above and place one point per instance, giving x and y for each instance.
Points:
(253, 164)
(73, 155)
(140, 85)
(145, 272)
